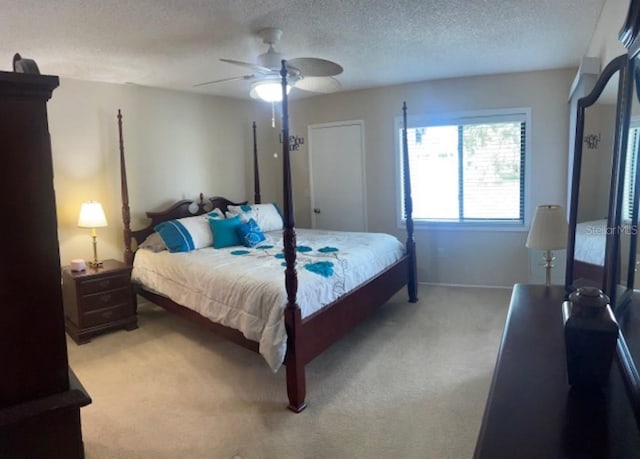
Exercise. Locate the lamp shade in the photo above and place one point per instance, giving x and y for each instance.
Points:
(268, 90)
(91, 215)
(549, 229)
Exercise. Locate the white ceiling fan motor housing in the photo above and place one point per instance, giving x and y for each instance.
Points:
(271, 59)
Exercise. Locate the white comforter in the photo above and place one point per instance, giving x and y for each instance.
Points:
(243, 288)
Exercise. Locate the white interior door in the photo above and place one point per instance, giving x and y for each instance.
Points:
(337, 176)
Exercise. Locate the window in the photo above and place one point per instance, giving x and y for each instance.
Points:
(468, 168)
(633, 144)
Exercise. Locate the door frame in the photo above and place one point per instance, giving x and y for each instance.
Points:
(310, 129)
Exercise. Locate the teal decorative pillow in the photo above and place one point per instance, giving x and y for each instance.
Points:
(185, 234)
(224, 232)
(250, 233)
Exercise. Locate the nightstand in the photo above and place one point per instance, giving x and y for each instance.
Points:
(98, 300)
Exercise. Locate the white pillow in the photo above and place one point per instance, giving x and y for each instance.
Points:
(267, 216)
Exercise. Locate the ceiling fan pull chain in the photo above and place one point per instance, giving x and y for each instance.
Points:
(273, 115)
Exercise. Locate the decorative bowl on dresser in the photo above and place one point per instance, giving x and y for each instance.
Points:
(98, 300)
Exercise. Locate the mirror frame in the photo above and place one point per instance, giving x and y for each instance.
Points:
(622, 65)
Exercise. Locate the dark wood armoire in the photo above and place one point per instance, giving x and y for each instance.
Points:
(40, 398)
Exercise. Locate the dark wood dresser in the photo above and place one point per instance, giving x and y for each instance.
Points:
(40, 398)
(531, 411)
(98, 300)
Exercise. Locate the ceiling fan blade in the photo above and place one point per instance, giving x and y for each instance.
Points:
(314, 67)
(244, 77)
(257, 68)
(322, 85)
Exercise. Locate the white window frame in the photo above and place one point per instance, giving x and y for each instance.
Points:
(476, 116)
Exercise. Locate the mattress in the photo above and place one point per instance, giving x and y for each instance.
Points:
(244, 288)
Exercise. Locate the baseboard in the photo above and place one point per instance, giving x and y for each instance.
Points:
(438, 284)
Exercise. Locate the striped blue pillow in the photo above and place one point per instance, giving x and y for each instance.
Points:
(186, 234)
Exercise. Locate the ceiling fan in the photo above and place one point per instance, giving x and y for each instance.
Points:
(306, 73)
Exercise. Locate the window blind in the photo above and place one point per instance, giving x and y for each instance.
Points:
(633, 144)
(472, 170)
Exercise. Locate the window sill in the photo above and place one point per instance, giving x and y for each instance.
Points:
(466, 226)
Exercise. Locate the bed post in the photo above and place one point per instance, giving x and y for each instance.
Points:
(296, 385)
(256, 169)
(126, 216)
(412, 284)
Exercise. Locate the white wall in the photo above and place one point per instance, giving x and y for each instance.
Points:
(177, 145)
(451, 257)
(604, 41)
(180, 144)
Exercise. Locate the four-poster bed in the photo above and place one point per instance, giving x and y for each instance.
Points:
(306, 335)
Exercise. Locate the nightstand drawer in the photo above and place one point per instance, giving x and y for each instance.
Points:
(106, 299)
(102, 284)
(105, 316)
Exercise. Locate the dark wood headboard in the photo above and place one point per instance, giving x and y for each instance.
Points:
(182, 209)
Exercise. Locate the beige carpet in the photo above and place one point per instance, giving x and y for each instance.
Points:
(409, 383)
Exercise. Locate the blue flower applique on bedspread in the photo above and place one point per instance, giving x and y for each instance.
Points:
(323, 268)
(328, 249)
(307, 258)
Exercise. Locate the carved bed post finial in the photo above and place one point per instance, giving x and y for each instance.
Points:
(201, 203)
(296, 384)
(256, 171)
(126, 216)
(412, 285)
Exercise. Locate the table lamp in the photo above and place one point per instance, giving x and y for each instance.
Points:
(92, 216)
(548, 232)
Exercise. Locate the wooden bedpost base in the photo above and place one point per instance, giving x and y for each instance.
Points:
(412, 278)
(412, 288)
(296, 380)
(297, 408)
(296, 389)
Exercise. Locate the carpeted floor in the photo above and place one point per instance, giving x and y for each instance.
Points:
(411, 382)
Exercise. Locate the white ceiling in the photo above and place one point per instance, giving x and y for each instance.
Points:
(177, 43)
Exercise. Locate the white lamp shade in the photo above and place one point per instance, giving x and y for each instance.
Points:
(549, 230)
(268, 90)
(92, 215)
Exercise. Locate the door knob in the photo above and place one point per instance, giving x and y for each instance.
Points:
(316, 210)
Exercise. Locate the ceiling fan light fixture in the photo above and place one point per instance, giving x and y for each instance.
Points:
(267, 90)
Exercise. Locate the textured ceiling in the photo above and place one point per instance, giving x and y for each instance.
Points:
(177, 43)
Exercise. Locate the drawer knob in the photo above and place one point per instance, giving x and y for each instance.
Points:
(107, 314)
(104, 283)
(105, 298)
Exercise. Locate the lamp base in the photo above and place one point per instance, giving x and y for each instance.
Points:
(95, 264)
(548, 264)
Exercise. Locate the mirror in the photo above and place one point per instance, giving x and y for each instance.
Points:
(627, 206)
(593, 188)
(627, 309)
